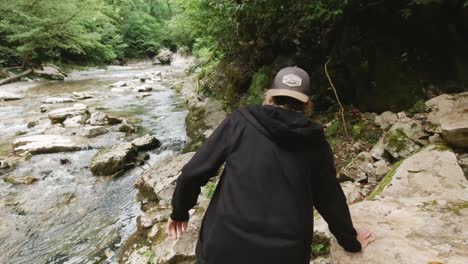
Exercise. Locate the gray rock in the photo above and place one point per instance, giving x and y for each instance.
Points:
(39, 144)
(143, 95)
(57, 100)
(158, 182)
(436, 139)
(359, 168)
(146, 142)
(114, 160)
(98, 119)
(50, 72)
(44, 108)
(420, 213)
(378, 150)
(127, 128)
(82, 95)
(93, 131)
(75, 121)
(455, 128)
(463, 162)
(164, 56)
(386, 119)
(5, 96)
(405, 137)
(381, 169)
(61, 114)
(352, 192)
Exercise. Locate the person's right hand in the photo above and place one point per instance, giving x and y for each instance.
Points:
(364, 237)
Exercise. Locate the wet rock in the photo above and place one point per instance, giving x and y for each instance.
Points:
(164, 56)
(30, 180)
(386, 119)
(44, 108)
(64, 161)
(420, 210)
(4, 164)
(50, 72)
(142, 157)
(121, 84)
(57, 100)
(5, 96)
(158, 182)
(113, 160)
(32, 124)
(146, 142)
(39, 144)
(127, 128)
(61, 114)
(93, 131)
(75, 121)
(82, 95)
(143, 95)
(359, 168)
(143, 88)
(150, 218)
(98, 119)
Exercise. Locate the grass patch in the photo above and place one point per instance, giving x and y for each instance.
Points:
(385, 181)
(418, 107)
(209, 189)
(320, 246)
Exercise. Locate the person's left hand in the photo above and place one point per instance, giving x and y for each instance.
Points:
(175, 228)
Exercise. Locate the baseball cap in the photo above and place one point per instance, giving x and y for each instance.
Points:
(291, 81)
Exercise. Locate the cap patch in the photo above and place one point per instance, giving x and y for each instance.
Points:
(292, 80)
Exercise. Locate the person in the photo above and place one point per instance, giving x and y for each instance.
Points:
(278, 166)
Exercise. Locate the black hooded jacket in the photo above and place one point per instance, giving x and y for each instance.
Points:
(278, 166)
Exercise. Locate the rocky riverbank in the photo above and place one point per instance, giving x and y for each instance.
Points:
(411, 189)
(62, 146)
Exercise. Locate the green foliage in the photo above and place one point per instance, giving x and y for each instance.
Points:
(260, 82)
(385, 181)
(418, 107)
(320, 246)
(150, 255)
(210, 189)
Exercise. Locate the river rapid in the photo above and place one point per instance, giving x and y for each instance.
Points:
(69, 215)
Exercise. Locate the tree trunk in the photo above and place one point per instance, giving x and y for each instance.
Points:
(16, 77)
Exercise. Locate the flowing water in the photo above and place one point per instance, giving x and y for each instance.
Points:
(68, 215)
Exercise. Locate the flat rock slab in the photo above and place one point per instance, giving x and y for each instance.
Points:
(40, 144)
(57, 100)
(146, 142)
(5, 96)
(418, 215)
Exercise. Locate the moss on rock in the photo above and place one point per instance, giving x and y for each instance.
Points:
(385, 181)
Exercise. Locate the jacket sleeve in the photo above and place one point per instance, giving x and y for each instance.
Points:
(198, 171)
(330, 202)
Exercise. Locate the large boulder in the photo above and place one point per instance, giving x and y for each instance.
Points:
(449, 116)
(113, 160)
(50, 72)
(164, 56)
(417, 214)
(61, 114)
(158, 182)
(39, 144)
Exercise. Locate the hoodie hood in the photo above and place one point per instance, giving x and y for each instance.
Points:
(288, 128)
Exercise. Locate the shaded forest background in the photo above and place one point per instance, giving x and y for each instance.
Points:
(383, 54)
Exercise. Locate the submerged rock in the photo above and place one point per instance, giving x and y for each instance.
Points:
(93, 131)
(61, 114)
(82, 95)
(113, 160)
(39, 144)
(143, 88)
(420, 207)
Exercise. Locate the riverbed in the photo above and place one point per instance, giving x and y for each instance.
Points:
(68, 215)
